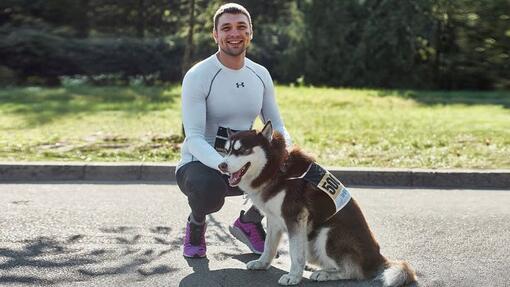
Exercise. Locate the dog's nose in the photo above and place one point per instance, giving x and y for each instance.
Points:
(223, 167)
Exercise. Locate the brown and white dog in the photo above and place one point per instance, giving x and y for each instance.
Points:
(343, 245)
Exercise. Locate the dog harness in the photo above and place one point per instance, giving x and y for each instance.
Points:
(328, 183)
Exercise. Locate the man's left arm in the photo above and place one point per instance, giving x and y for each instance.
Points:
(270, 110)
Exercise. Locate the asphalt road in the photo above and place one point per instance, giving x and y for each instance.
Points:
(100, 234)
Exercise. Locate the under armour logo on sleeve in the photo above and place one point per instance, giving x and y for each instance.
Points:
(241, 84)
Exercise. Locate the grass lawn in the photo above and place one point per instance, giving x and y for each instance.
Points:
(341, 127)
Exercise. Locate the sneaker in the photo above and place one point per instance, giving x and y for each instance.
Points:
(249, 233)
(194, 240)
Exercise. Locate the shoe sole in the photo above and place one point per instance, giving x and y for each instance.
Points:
(239, 235)
(194, 256)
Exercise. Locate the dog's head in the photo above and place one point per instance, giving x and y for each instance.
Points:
(248, 154)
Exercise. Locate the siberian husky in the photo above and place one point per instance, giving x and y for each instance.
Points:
(341, 245)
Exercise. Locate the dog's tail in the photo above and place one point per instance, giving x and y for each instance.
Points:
(397, 273)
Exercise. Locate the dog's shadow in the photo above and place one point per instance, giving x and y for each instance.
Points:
(203, 276)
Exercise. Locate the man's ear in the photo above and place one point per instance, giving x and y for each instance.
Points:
(267, 131)
(215, 35)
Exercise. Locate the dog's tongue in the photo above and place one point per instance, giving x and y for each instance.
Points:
(235, 178)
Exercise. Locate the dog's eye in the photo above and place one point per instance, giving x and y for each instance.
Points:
(246, 151)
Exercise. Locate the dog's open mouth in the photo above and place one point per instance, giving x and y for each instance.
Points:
(235, 177)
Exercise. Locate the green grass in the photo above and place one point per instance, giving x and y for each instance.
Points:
(340, 127)
(90, 123)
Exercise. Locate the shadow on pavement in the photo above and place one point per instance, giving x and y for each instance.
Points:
(203, 276)
(126, 253)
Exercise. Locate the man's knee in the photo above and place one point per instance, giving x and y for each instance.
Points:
(207, 194)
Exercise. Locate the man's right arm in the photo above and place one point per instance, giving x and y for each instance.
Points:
(194, 121)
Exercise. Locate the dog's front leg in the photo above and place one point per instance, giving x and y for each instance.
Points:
(297, 248)
(274, 234)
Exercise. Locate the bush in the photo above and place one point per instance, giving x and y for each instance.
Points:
(38, 54)
(7, 76)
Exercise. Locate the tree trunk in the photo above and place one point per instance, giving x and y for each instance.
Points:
(140, 28)
(188, 50)
(82, 23)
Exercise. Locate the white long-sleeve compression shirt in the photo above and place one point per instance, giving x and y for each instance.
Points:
(215, 97)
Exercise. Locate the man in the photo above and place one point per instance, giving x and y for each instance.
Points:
(226, 90)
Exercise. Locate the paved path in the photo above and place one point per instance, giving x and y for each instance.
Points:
(115, 234)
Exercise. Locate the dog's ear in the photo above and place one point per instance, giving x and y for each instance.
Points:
(229, 132)
(267, 131)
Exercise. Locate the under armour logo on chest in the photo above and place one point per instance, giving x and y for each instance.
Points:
(241, 84)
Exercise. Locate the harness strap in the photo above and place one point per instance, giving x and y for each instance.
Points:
(303, 175)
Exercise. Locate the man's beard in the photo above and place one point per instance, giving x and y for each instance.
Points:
(234, 52)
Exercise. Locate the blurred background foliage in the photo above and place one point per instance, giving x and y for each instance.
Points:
(422, 44)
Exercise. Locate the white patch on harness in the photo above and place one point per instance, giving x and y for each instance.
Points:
(335, 189)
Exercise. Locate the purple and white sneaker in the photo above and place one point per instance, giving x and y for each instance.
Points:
(194, 241)
(249, 233)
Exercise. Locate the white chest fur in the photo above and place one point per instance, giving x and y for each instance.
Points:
(272, 208)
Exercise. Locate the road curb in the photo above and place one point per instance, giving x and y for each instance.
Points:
(419, 178)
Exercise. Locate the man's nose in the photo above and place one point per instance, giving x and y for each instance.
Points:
(223, 167)
(234, 33)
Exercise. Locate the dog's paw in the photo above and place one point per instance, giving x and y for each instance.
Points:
(320, 275)
(289, 279)
(257, 265)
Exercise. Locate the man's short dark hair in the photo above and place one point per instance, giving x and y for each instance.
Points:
(231, 8)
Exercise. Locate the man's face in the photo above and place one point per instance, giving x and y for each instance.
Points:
(233, 33)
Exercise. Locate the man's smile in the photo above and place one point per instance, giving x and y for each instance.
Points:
(234, 42)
